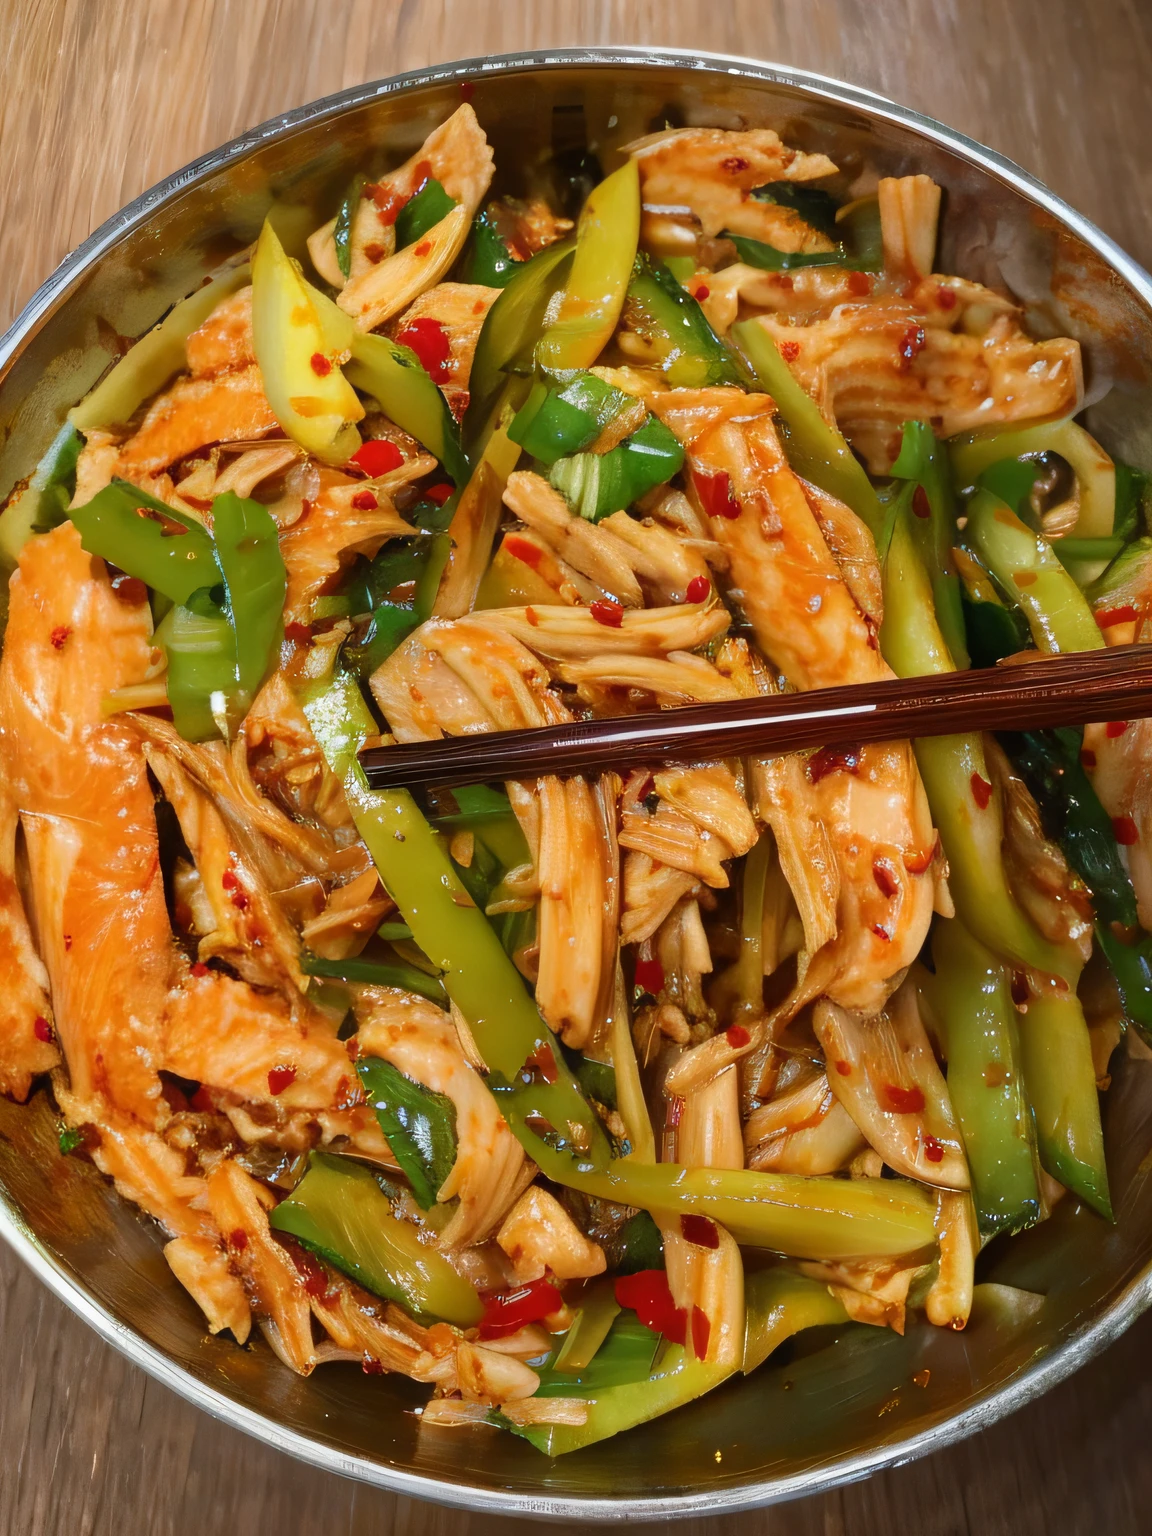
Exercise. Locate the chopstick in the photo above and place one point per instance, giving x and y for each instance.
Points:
(1113, 684)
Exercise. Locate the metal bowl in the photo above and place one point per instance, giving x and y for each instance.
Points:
(837, 1409)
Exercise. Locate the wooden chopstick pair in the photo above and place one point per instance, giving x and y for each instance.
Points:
(1113, 684)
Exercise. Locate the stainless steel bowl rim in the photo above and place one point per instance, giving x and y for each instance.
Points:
(1045, 1372)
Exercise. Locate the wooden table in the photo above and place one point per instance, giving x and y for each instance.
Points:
(103, 97)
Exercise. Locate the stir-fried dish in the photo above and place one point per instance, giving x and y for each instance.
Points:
(567, 1098)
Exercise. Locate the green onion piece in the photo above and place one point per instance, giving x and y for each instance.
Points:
(248, 550)
(625, 1356)
(755, 253)
(202, 678)
(395, 377)
(422, 213)
(597, 1311)
(379, 973)
(342, 229)
(339, 1211)
(598, 484)
(419, 1126)
(815, 206)
(778, 1303)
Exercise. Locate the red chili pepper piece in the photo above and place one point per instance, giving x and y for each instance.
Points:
(698, 589)
(1115, 728)
(844, 1068)
(700, 1231)
(981, 791)
(543, 1061)
(1125, 831)
(649, 976)
(429, 340)
(521, 549)
(59, 635)
(882, 932)
(507, 1312)
(377, 456)
(238, 1239)
(701, 294)
(832, 760)
(364, 501)
(919, 863)
(130, 590)
(789, 351)
(886, 881)
(737, 1036)
(240, 901)
(371, 1366)
(228, 880)
(715, 493)
(1127, 614)
(946, 298)
(439, 493)
(933, 1151)
(606, 611)
(280, 1078)
(901, 1101)
(859, 283)
(199, 968)
(423, 248)
(912, 342)
(646, 1293)
(701, 1332)
(920, 503)
(41, 1028)
(321, 365)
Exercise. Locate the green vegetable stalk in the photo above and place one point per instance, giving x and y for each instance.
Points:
(339, 1211)
(971, 1004)
(815, 450)
(377, 973)
(657, 308)
(598, 484)
(419, 1126)
(1023, 563)
(248, 551)
(200, 642)
(606, 238)
(555, 422)
(44, 500)
(924, 459)
(780, 1302)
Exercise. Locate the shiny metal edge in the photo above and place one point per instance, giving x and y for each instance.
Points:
(1047, 1371)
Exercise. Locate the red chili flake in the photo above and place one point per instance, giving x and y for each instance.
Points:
(859, 283)
(1115, 728)
(532, 617)
(228, 880)
(439, 493)
(698, 589)
(238, 1240)
(700, 1231)
(321, 365)
(280, 1078)
(734, 164)
(524, 550)
(388, 202)
(701, 1332)
(374, 253)
(832, 760)
(240, 901)
(59, 635)
(901, 1101)
(608, 612)
(647, 788)
(201, 1101)
(371, 1366)
(933, 1151)
(199, 968)
(649, 976)
(299, 634)
(1125, 831)
(507, 1312)
(844, 1068)
(130, 590)
(543, 1061)
(41, 1028)
(737, 1036)
(715, 493)
(920, 503)
(981, 791)
(429, 340)
(674, 1110)
(647, 1294)
(364, 501)
(789, 351)
(882, 932)
(912, 342)
(377, 456)
(423, 248)
(1087, 758)
(701, 294)
(946, 298)
(884, 877)
(67, 941)
(1128, 614)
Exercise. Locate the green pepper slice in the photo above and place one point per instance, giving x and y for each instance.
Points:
(666, 315)
(168, 550)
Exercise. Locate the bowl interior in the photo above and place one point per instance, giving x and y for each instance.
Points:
(819, 1413)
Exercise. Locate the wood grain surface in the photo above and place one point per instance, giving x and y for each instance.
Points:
(100, 98)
